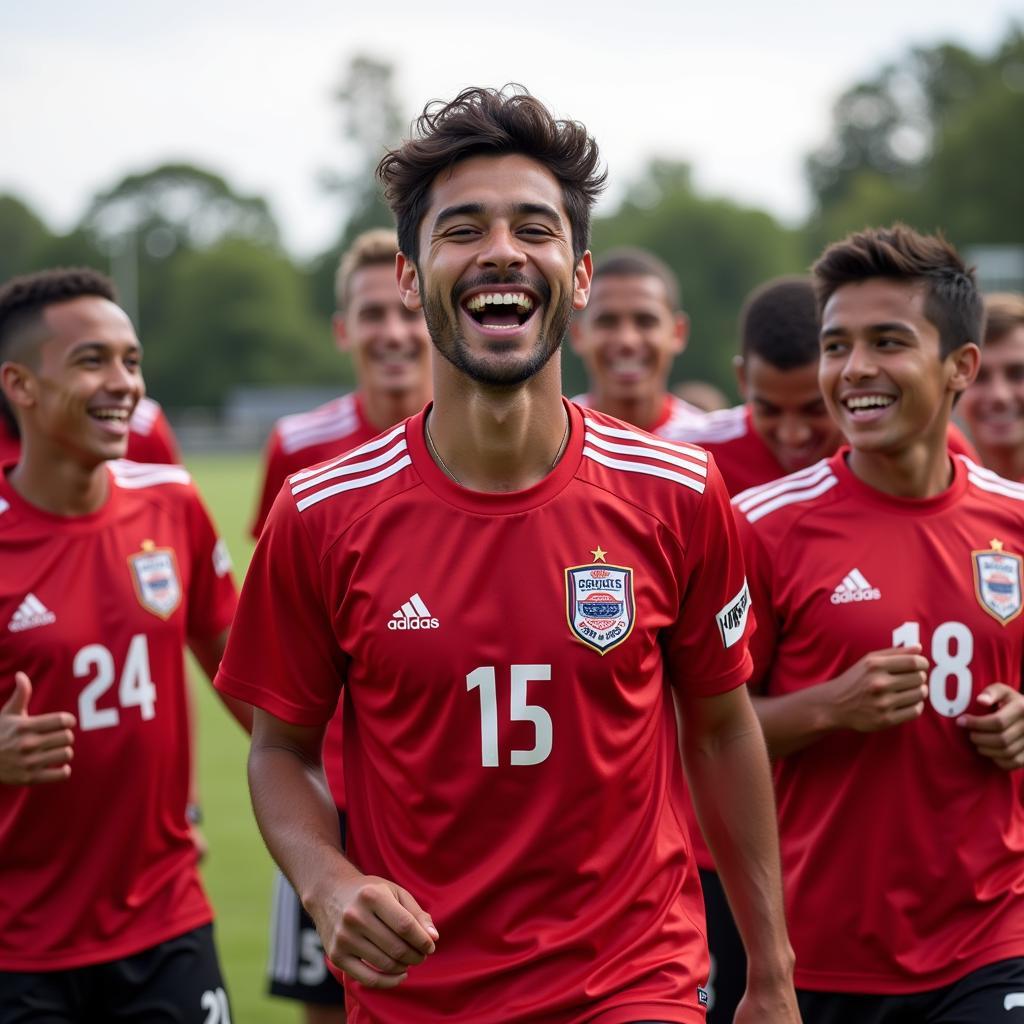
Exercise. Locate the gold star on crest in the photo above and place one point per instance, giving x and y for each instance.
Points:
(997, 545)
(599, 553)
(148, 545)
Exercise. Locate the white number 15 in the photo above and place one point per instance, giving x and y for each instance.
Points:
(484, 679)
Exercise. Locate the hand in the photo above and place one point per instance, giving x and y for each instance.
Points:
(202, 847)
(883, 689)
(999, 735)
(374, 931)
(33, 748)
(768, 1004)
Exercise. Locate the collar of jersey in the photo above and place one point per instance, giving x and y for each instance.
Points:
(27, 512)
(852, 484)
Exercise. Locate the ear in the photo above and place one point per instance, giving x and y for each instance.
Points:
(739, 367)
(680, 332)
(408, 276)
(581, 281)
(18, 385)
(963, 363)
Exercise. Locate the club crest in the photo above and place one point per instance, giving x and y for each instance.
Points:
(997, 582)
(599, 604)
(157, 583)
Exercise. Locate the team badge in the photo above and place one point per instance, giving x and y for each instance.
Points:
(997, 582)
(599, 602)
(156, 579)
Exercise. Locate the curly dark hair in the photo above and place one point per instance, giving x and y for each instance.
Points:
(491, 122)
(952, 300)
(22, 301)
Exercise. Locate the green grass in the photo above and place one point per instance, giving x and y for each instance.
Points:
(238, 870)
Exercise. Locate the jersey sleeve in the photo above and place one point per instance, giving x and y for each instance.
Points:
(282, 654)
(158, 446)
(274, 475)
(212, 592)
(759, 574)
(707, 648)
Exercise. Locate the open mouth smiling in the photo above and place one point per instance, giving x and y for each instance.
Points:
(499, 310)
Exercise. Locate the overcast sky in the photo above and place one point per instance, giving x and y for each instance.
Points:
(742, 88)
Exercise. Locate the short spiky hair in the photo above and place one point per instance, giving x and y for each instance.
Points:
(1004, 312)
(952, 301)
(23, 300)
(374, 248)
(490, 122)
(779, 323)
(630, 262)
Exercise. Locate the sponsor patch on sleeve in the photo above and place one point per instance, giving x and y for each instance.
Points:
(221, 558)
(732, 619)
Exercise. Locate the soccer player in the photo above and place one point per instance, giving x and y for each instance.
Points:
(107, 569)
(390, 349)
(506, 586)
(627, 336)
(888, 585)
(993, 406)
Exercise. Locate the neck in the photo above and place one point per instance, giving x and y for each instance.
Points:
(493, 439)
(385, 409)
(1007, 462)
(643, 412)
(921, 470)
(56, 484)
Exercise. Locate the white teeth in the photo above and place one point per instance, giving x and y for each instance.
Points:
(524, 302)
(118, 415)
(869, 401)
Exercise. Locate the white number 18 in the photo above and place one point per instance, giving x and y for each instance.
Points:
(952, 650)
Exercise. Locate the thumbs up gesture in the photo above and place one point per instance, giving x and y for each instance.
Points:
(33, 748)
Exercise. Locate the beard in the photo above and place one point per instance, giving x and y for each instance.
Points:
(501, 366)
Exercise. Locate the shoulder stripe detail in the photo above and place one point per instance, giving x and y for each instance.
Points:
(347, 469)
(997, 486)
(679, 447)
(643, 467)
(133, 476)
(792, 498)
(364, 449)
(351, 485)
(719, 426)
(4, 505)
(801, 478)
(991, 476)
(145, 416)
(690, 464)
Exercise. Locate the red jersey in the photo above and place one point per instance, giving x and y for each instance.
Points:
(510, 748)
(97, 610)
(902, 850)
(306, 438)
(676, 417)
(150, 438)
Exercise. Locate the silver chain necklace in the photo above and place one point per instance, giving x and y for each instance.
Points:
(436, 455)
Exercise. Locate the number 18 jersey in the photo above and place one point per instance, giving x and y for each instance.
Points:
(510, 745)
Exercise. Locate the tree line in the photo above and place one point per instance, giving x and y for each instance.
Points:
(932, 138)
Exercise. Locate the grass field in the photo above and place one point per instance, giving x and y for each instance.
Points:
(238, 869)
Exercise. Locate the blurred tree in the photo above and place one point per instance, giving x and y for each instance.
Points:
(719, 249)
(23, 236)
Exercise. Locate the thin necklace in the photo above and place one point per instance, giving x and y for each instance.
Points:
(436, 455)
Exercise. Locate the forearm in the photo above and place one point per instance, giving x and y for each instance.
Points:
(794, 721)
(731, 785)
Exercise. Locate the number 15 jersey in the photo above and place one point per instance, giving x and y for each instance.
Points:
(510, 745)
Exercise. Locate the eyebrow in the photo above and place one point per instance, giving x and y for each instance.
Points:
(100, 346)
(882, 328)
(478, 209)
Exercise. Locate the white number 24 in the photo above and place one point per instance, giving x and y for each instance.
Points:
(952, 650)
(484, 679)
(135, 689)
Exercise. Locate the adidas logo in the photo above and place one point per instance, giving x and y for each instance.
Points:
(855, 588)
(413, 615)
(31, 613)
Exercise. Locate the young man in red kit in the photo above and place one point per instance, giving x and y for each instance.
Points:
(628, 336)
(506, 586)
(888, 582)
(107, 570)
(993, 406)
(390, 350)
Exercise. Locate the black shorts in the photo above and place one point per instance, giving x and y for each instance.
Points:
(728, 978)
(985, 996)
(297, 968)
(177, 982)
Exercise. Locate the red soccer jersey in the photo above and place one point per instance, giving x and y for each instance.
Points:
(510, 748)
(306, 438)
(150, 437)
(903, 850)
(676, 417)
(96, 609)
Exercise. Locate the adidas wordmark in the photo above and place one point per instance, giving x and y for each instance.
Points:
(855, 588)
(30, 614)
(413, 615)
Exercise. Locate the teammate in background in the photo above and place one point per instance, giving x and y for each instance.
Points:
(706, 396)
(107, 570)
(390, 350)
(390, 347)
(888, 585)
(150, 438)
(506, 586)
(630, 332)
(993, 406)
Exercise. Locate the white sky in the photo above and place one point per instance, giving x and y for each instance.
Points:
(742, 89)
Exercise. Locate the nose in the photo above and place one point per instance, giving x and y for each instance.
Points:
(860, 363)
(502, 250)
(998, 390)
(123, 379)
(793, 431)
